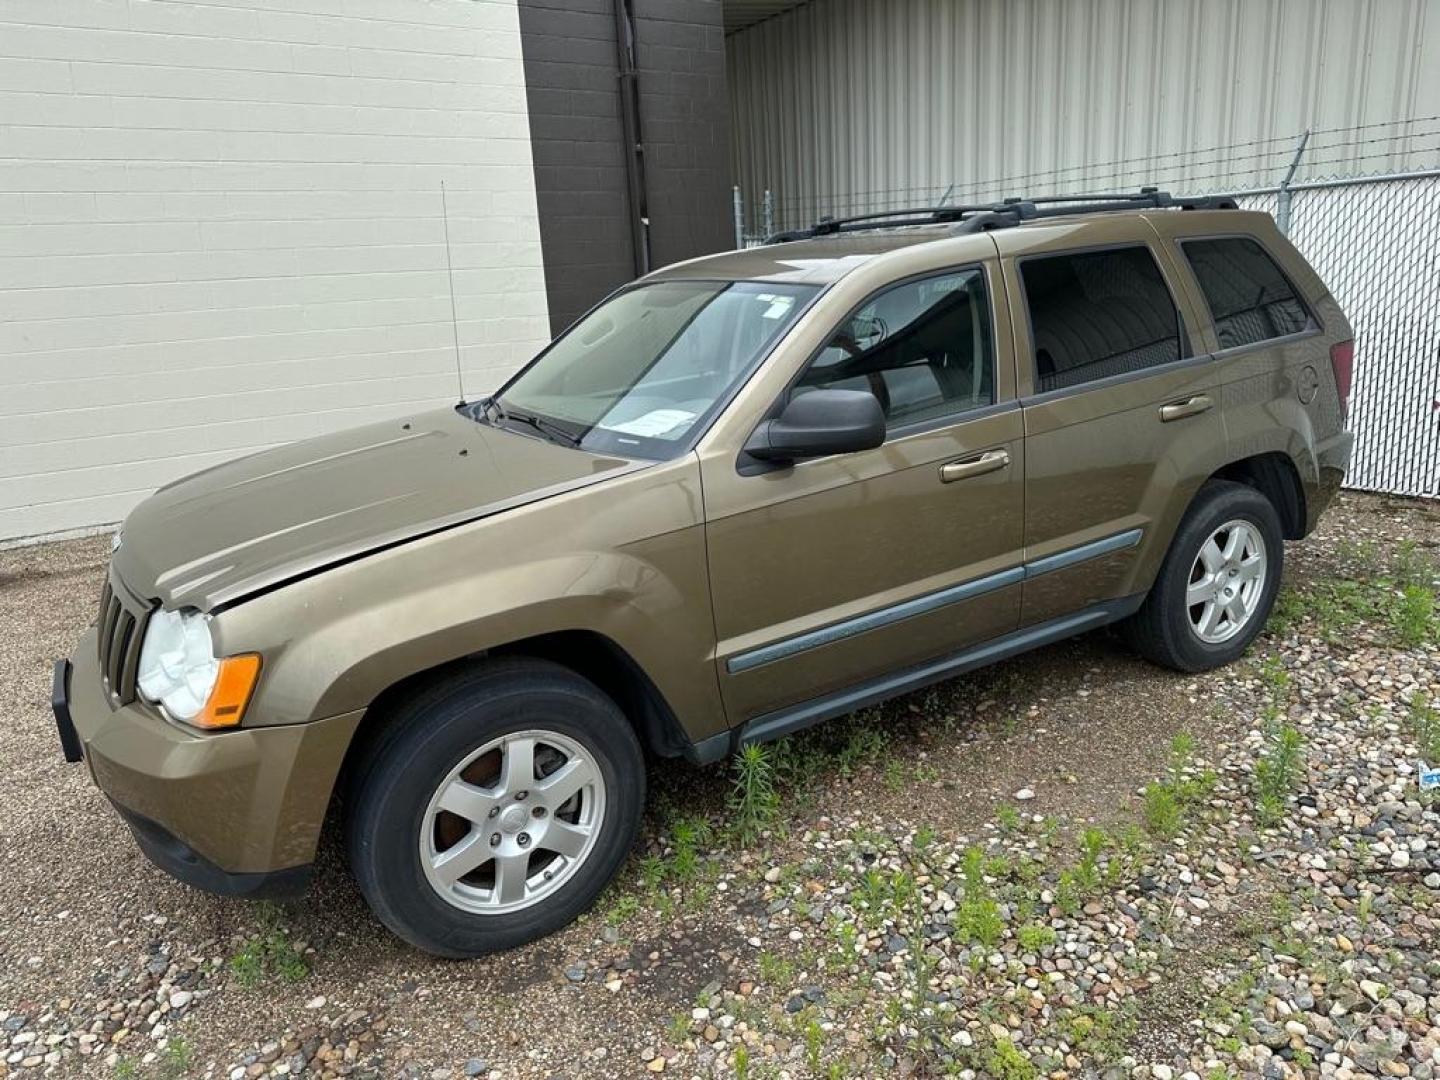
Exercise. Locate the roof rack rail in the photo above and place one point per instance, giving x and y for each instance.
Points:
(884, 219)
(1006, 213)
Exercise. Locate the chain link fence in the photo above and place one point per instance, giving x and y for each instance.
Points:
(1376, 243)
(1374, 240)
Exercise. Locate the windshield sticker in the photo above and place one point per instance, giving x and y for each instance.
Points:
(655, 423)
(779, 306)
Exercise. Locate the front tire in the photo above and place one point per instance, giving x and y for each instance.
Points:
(1217, 584)
(494, 808)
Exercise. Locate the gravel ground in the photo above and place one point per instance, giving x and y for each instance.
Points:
(1071, 864)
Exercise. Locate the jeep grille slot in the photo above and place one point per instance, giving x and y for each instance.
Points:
(120, 632)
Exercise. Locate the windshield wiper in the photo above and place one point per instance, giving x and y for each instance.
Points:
(547, 428)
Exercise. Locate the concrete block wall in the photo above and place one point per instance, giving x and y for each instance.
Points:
(220, 230)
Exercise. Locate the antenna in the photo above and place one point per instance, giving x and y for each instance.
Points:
(450, 270)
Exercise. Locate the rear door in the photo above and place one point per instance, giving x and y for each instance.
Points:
(1121, 424)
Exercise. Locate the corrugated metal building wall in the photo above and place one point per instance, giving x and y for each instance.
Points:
(850, 105)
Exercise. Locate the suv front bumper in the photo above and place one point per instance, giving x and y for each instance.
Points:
(233, 812)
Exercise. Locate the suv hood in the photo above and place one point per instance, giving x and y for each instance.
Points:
(214, 537)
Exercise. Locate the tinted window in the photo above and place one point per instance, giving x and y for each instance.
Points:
(1098, 313)
(1249, 297)
(922, 348)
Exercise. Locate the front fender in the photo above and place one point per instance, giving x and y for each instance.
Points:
(625, 560)
(364, 652)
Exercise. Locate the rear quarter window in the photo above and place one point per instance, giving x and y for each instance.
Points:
(1094, 314)
(1249, 296)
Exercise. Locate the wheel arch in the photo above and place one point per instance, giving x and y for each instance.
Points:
(587, 653)
(1275, 476)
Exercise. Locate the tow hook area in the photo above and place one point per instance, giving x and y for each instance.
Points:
(60, 705)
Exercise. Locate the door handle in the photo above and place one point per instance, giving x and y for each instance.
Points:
(1178, 410)
(987, 462)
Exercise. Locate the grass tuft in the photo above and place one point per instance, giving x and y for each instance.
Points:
(754, 798)
(271, 952)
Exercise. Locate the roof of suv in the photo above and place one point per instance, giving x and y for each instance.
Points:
(831, 249)
(809, 262)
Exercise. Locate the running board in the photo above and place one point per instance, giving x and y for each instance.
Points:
(793, 718)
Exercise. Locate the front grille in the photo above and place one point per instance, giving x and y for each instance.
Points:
(120, 631)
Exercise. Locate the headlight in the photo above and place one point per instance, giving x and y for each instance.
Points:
(180, 672)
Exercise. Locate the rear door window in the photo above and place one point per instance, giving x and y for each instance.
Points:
(1094, 314)
(1249, 296)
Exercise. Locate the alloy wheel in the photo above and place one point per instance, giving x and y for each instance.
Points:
(1227, 582)
(512, 822)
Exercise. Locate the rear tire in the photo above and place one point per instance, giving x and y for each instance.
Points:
(494, 808)
(1217, 584)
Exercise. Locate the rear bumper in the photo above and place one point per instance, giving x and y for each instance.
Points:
(1332, 462)
(235, 812)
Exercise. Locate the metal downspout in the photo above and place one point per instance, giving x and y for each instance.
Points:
(634, 147)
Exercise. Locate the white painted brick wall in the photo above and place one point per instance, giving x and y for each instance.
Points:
(220, 230)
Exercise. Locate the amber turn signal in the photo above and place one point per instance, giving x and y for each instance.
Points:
(233, 687)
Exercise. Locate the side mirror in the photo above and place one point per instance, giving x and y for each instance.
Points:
(820, 423)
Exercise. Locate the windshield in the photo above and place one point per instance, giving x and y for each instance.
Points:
(641, 372)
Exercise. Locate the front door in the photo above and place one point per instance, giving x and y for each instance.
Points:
(840, 569)
(1123, 421)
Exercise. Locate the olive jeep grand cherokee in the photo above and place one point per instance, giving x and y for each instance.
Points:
(742, 495)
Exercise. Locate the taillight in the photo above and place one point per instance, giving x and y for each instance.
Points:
(1342, 361)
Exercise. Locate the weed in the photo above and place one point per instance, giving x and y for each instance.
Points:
(1366, 907)
(1412, 617)
(126, 1069)
(1101, 1034)
(1277, 769)
(625, 908)
(1273, 675)
(652, 872)
(175, 1061)
(1363, 555)
(688, 835)
(742, 1063)
(775, 970)
(1163, 814)
(814, 1043)
(978, 918)
(925, 835)
(1087, 871)
(866, 742)
(925, 773)
(271, 951)
(678, 1029)
(1008, 817)
(895, 775)
(1005, 1062)
(1340, 604)
(1411, 566)
(1168, 800)
(1288, 612)
(754, 799)
(1036, 937)
(1425, 722)
(248, 965)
